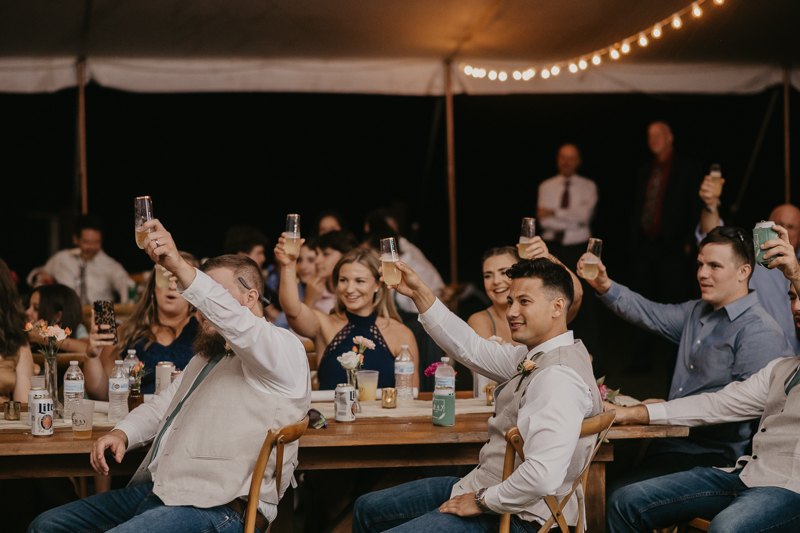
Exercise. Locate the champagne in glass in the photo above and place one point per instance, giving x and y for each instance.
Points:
(143, 211)
(591, 263)
(716, 178)
(389, 258)
(526, 235)
(292, 235)
(162, 277)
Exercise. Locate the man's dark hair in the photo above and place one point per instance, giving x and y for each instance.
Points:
(88, 222)
(242, 239)
(242, 267)
(341, 241)
(740, 241)
(556, 281)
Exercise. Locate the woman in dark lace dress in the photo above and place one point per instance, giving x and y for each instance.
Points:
(363, 307)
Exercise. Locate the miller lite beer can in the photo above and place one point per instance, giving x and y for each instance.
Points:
(163, 375)
(344, 402)
(42, 408)
(33, 392)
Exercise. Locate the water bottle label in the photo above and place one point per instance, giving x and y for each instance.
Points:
(73, 386)
(404, 367)
(118, 385)
(446, 383)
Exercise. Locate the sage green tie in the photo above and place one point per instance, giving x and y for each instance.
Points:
(203, 373)
(795, 380)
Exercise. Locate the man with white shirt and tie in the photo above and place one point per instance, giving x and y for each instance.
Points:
(547, 389)
(207, 428)
(761, 492)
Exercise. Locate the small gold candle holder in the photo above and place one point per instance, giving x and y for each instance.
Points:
(490, 393)
(12, 410)
(389, 398)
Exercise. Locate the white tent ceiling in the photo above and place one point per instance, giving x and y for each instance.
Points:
(390, 46)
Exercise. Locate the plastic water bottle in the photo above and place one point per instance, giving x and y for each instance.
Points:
(444, 396)
(404, 374)
(129, 362)
(73, 388)
(118, 387)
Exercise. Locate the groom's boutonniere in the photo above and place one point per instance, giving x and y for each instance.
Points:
(525, 368)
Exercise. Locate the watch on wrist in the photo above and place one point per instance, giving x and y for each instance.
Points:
(479, 501)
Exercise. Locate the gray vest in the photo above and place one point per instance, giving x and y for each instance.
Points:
(489, 472)
(776, 446)
(211, 451)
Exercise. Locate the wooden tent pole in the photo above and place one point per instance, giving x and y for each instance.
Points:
(82, 133)
(787, 86)
(451, 170)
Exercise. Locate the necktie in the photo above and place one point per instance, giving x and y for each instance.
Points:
(795, 380)
(203, 373)
(559, 236)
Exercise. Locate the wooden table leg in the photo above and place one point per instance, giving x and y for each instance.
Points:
(595, 490)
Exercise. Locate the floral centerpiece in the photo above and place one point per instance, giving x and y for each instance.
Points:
(606, 394)
(53, 335)
(137, 373)
(353, 360)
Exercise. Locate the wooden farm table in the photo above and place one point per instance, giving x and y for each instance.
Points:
(365, 443)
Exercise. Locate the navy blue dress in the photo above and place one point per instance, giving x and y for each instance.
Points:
(179, 352)
(330, 371)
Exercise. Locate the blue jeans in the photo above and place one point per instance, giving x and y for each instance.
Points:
(134, 510)
(705, 493)
(414, 508)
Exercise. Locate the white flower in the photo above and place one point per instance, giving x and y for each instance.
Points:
(366, 343)
(349, 360)
(54, 331)
(496, 339)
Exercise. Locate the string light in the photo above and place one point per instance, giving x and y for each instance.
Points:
(615, 52)
(656, 33)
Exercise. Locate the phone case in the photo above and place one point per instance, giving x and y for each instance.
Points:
(104, 314)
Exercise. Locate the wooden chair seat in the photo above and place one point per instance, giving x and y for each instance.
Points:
(698, 524)
(275, 438)
(596, 425)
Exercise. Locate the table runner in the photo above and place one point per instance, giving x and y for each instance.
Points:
(406, 409)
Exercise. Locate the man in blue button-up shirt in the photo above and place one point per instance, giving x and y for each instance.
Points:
(726, 336)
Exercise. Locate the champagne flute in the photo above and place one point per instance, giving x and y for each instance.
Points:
(143, 211)
(526, 235)
(592, 260)
(389, 258)
(292, 236)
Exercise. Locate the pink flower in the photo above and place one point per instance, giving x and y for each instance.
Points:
(603, 392)
(431, 370)
(366, 343)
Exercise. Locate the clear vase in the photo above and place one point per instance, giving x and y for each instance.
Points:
(353, 380)
(51, 384)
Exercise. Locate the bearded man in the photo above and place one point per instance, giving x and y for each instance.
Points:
(207, 428)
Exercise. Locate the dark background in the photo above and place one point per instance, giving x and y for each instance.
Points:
(213, 160)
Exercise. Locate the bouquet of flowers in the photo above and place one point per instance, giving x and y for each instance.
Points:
(353, 360)
(53, 335)
(137, 373)
(606, 394)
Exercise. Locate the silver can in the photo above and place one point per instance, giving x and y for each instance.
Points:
(33, 392)
(344, 402)
(42, 425)
(163, 375)
(174, 375)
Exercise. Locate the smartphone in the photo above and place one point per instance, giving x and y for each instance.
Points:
(104, 314)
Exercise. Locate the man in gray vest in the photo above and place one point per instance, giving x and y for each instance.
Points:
(207, 428)
(762, 491)
(547, 389)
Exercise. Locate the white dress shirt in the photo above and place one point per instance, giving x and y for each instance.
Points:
(273, 358)
(413, 257)
(104, 276)
(550, 412)
(573, 220)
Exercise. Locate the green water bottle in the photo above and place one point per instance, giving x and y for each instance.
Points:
(444, 396)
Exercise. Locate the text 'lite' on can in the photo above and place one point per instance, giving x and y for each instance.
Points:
(164, 371)
(42, 407)
(33, 392)
(344, 402)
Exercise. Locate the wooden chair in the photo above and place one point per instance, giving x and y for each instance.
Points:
(279, 438)
(599, 424)
(698, 524)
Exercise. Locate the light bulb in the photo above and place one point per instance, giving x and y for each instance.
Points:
(719, 2)
(528, 74)
(596, 59)
(502, 76)
(555, 70)
(696, 11)
(545, 73)
(614, 53)
(481, 73)
(642, 40)
(476, 73)
(492, 75)
(468, 70)
(517, 75)
(676, 21)
(573, 68)
(656, 31)
(625, 48)
(583, 64)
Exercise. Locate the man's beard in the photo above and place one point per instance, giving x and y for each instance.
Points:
(208, 342)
